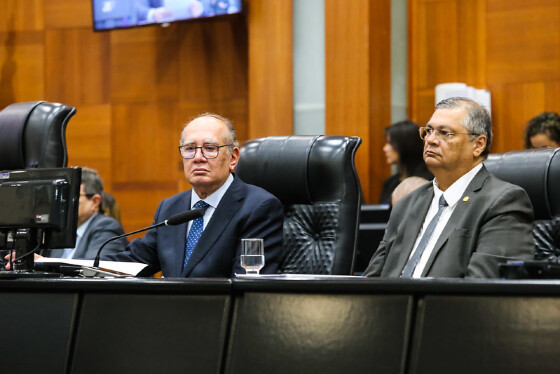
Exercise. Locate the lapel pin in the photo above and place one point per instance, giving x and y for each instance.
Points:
(466, 198)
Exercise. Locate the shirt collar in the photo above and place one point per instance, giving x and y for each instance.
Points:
(214, 199)
(457, 189)
(83, 227)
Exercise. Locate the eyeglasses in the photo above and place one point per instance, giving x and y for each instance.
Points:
(208, 151)
(440, 135)
(87, 195)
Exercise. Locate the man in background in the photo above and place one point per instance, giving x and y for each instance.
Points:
(94, 228)
(466, 221)
(210, 246)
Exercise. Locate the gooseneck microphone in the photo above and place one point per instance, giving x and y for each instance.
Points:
(175, 220)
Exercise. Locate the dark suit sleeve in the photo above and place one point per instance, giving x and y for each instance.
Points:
(505, 234)
(141, 250)
(104, 229)
(266, 221)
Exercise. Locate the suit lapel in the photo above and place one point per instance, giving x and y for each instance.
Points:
(229, 204)
(180, 237)
(457, 215)
(413, 226)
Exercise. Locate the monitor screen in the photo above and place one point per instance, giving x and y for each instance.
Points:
(45, 200)
(115, 14)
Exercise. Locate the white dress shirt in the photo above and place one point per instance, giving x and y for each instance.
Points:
(452, 196)
(213, 200)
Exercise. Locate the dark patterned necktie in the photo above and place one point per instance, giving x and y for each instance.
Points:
(413, 261)
(195, 232)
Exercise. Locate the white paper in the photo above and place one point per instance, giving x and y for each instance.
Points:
(132, 268)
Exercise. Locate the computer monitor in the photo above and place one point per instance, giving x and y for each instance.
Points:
(122, 14)
(39, 209)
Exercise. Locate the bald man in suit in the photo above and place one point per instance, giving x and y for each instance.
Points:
(234, 210)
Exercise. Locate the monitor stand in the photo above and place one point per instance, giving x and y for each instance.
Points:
(23, 241)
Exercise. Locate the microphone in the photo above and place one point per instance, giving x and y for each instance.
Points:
(174, 220)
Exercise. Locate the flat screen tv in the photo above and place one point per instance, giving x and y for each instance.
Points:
(119, 14)
(43, 202)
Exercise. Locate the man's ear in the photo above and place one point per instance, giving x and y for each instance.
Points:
(234, 159)
(96, 199)
(479, 145)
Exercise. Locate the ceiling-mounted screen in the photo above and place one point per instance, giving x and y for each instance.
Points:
(117, 14)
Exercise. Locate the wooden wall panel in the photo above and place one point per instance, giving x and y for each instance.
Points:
(77, 69)
(21, 15)
(68, 14)
(145, 64)
(511, 47)
(357, 63)
(446, 44)
(89, 140)
(22, 70)
(270, 68)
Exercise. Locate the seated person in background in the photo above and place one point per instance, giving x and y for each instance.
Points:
(407, 186)
(403, 148)
(210, 246)
(110, 206)
(94, 228)
(543, 131)
(466, 221)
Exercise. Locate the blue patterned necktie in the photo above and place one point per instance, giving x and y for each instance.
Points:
(195, 232)
(413, 261)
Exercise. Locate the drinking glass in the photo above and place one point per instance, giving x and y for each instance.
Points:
(252, 255)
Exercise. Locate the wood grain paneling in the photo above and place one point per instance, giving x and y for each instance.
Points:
(145, 65)
(524, 42)
(89, 140)
(21, 15)
(357, 63)
(22, 68)
(68, 14)
(82, 59)
(511, 47)
(270, 68)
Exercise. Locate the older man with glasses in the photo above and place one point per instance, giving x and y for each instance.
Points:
(210, 246)
(465, 222)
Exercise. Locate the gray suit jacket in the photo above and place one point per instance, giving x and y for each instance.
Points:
(99, 230)
(492, 226)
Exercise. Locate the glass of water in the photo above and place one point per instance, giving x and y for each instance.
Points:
(252, 255)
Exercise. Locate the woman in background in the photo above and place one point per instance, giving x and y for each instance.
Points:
(543, 131)
(403, 148)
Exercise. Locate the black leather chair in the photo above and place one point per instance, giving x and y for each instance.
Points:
(316, 180)
(538, 172)
(33, 135)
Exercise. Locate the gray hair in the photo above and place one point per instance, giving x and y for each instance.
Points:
(93, 184)
(477, 121)
(231, 131)
(91, 181)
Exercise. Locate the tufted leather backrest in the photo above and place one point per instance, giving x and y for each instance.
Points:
(537, 171)
(33, 135)
(315, 178)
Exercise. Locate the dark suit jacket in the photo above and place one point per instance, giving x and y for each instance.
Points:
(245, 211)
(491, 227)
(98, 231)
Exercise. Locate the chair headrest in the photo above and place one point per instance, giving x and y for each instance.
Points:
(297, 169)
(537, 171)
(33, 135)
